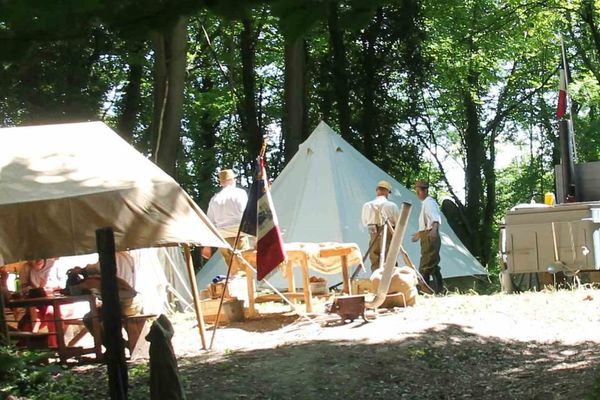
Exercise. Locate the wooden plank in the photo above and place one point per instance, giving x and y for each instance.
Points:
(289, 265)
(78, 336)
(264, 298)
(342, 251)
(250, 285)
(306, 283)
(346, 275)
(60, 334)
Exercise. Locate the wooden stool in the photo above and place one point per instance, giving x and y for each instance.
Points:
(137, 326)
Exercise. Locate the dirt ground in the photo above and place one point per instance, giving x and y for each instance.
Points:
(528, 346)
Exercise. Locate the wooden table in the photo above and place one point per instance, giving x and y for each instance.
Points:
(297, 258)
(64, 351)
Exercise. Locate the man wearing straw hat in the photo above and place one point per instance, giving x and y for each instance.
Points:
(430, 219)
(375, 214)
(225, 210)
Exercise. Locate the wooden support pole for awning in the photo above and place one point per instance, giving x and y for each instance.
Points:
(4, 340)
(192, 275)
(116, 365)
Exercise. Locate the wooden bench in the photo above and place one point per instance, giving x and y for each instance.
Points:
(31, 340)
(136, 327)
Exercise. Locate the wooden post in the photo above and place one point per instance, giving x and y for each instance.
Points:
(290, 276)
(111, 315)
(342, 252)
(251, 288)
(347, 287)
(4, 340)
(192, 275)
(306, 282)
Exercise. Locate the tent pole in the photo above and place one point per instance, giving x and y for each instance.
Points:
(199, 316)
(116, 365)
(176, 273)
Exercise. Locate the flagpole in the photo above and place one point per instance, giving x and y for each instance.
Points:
(236, 253)
(566, 69)
(235, 245)
(212, 338)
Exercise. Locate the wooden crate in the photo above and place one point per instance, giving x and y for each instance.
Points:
(216, 290)
(360, 286)
(232, 311)
(319, 288)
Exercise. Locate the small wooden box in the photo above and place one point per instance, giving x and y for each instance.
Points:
(216, 290)
(232, 310)
(360, 286)
(204, 294)
(209, 310)
(318, 288)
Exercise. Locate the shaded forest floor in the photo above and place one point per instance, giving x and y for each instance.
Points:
(527, 346)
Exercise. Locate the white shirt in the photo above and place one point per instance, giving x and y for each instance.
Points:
(125, 267)
(226, 208)
(430, 213)
(375, 211)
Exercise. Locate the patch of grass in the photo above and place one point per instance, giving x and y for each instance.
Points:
(28, 374)
(595, 392)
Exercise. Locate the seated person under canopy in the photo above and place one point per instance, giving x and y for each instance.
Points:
(129, 300)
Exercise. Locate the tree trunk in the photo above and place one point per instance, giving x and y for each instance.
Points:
(339, 69)
(249, 115)
(474, 148)
(131, 102)
(206, 146)
(588, 15)
(489, 174)
(170, 49)
(369, 115)
(295, 109)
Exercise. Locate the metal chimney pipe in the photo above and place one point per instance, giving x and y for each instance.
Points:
(567, 163)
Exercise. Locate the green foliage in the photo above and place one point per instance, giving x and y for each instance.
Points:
(298, 17)
(28, 374)
(412, 69)
(594, 394)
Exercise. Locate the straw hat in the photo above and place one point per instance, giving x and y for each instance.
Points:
(385, 185)
(421, 184)
(226, 174)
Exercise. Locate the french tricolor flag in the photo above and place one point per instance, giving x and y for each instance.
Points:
(260, 220)
(562, 94)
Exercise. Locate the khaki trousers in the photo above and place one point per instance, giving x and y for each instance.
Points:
(430, 253)
(375, 254)
(243, 244)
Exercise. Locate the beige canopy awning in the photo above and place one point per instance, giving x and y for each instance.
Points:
(59, 183)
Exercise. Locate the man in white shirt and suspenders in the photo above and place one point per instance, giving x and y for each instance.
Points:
(225, 210)
(375, 213)
(430, 219)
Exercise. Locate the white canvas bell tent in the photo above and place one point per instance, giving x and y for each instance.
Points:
(319, 196)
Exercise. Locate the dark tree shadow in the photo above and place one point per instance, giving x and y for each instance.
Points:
(446, 363)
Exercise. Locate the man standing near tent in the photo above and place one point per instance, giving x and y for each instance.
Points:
(430, 219)
(225, 210)
(375, 214)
